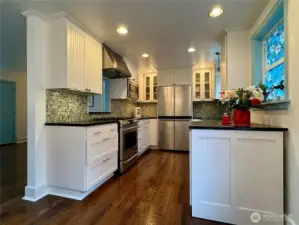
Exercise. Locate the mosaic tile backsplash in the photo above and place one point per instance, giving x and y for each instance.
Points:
(208, 110)
(73, 106)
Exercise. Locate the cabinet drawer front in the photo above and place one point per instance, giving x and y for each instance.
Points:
(99, 133)
(96, 150)
(100, 169)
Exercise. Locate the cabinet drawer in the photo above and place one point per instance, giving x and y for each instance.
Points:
(101, 132)
(100, 169)
(97, 149)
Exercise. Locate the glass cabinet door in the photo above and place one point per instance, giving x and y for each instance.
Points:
(147, 88)
(207, 85)
(155, 88)
(197, 86)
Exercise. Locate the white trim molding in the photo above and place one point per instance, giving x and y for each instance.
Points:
(33, 194)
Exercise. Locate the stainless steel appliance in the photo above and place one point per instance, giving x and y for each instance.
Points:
(174, 114)
(133, 89)
(128, 143)
(113, 64)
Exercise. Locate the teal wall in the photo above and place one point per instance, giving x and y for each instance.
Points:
(12, 39)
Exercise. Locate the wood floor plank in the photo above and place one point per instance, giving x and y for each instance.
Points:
(154, 191)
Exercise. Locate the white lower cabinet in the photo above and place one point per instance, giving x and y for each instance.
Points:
(237, 176)
(79, 159)
(147, 134)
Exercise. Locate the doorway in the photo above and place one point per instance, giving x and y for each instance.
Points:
(7, 112)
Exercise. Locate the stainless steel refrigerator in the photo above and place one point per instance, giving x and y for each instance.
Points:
(174, 115)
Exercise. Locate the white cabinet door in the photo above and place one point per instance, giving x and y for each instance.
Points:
(165, 77)
(94, 66)
(153, 135)
(211, 185)
(76, 47)
(183, 76)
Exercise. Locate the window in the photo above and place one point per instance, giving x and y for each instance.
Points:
(273, 59)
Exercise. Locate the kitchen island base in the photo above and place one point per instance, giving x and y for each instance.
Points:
(237, 176)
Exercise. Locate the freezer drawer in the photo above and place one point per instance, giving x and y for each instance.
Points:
(181, 129)
(166, 134)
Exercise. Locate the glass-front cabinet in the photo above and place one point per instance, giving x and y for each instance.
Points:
(202, 84)
(151, 87)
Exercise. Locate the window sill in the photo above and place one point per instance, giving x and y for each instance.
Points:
(273, 105)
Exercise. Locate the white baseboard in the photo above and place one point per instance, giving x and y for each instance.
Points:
(72, 194)
(21, 140)
(33, 194)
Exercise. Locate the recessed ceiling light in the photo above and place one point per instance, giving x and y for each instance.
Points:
(216, 11)
(203, 66)
(191, 49)
(145, 55)
(122, 30)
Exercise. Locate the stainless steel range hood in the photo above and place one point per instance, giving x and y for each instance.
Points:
(113, 64)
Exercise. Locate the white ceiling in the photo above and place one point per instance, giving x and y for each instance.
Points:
(163, 28)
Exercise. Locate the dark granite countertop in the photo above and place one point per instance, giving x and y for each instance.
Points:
(216, 125)
(84, 123)
(147, 117)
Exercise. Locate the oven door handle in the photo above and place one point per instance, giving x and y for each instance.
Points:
(134, 156)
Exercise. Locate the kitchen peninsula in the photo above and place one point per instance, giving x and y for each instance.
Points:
(236, 171)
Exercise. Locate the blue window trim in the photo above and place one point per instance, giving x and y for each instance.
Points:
(277, 13)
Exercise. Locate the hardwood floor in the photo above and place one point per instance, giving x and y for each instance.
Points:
(154, 191)
(13, 171)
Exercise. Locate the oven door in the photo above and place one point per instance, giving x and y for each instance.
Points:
(129, 144)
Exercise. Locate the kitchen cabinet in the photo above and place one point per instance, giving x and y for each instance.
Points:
(148, 87)
(203, 84)
(232, 176)
(147, 134)
(143, 136)
(79, 159)
(153, 132)
(75, 58)
(178, 77)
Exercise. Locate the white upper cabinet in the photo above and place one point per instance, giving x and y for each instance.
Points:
(93, 65)
(203, 84)
(178, 77)
(75, 58)
(148, 84)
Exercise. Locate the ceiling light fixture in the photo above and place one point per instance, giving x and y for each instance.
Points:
(191, 49)
(216, 11)
(145, 55)
(122, 30)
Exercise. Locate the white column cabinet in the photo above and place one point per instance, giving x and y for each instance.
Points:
(75, 58)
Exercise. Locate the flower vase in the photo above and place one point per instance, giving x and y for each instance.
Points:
(242, 116)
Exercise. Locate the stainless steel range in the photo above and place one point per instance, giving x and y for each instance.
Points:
(128, 143)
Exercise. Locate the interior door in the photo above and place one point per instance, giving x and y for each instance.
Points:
(166, 134)
(7, 112)
(181, 136)
(166, 101)
(183, 100)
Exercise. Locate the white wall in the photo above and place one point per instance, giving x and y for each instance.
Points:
(237, 59)
(21, 101)
(290, 117)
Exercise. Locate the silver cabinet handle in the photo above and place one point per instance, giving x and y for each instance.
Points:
(111, 130)
(97, 133)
